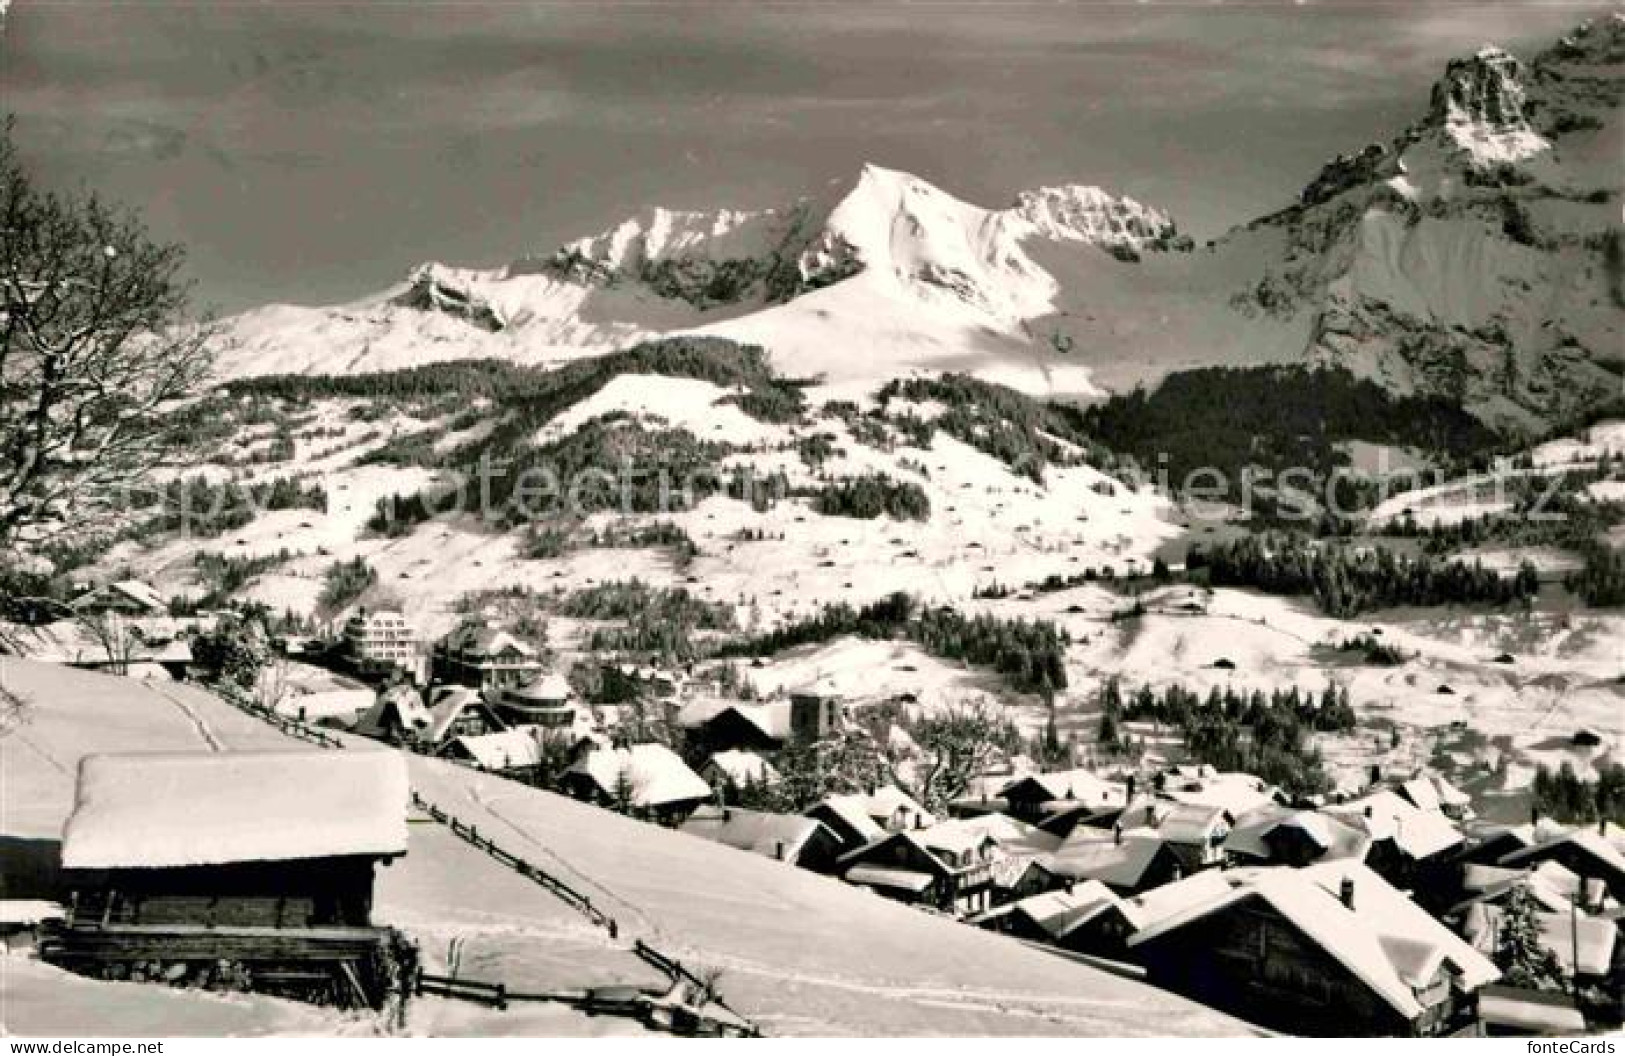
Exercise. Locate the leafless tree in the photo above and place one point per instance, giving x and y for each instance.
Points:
(95, 347)
(962, 740)
(117, 637)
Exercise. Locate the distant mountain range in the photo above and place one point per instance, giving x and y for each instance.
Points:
(1478, 255)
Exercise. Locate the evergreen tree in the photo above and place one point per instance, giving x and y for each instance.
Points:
(1523, 961)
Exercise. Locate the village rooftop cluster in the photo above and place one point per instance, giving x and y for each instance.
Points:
(1386, 910)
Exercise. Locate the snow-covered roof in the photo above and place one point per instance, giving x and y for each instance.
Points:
(889, 877)
(851, 810)
(656, 775)
(1233, 792)
(1069, 786)
(1387, 941)
(447, 707)
(549, 688)
(1164, 901)
(1058, 913)
(1252, 833)
(344, 704)
(1095, 855)
(889, 804)
(1530, 1010)
(168, 809)
(143, 594)
(1587, 840)
(771, 835)
(502, 750)
(24, 912)
(741, 768)
(402, 704)
(1012, 836)
(1387, 815)
(484, 639)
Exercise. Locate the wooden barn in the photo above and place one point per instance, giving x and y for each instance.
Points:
(249, 870)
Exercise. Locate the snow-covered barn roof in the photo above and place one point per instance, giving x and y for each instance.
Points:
(151, 810)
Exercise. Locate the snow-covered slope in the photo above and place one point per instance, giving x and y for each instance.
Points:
(1476, 255)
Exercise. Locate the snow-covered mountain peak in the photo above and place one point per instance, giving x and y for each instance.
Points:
(655, 233)
(1081, 213)
(1479, 104)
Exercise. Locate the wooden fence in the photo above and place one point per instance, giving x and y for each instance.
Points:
(564, 892)
(494, 995)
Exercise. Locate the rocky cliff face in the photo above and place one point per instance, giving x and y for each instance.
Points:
(1476, 255)
(1479, 105)
(432, 288)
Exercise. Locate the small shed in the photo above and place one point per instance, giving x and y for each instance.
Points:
(263, 838)
(235, 869)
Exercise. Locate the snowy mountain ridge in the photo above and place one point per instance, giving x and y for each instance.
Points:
(1474, 256)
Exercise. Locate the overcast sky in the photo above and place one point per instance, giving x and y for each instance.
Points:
(313, 152)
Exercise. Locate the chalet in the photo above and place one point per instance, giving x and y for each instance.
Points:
(545, 701)
(1329, 949)
(1128, 862)
(722, 726)
(261, 859)
(1034, 796)
(126, 597)
(733, 771)
(953, 875)
(457, 711)
(1016, 877)
(1194, 833)
(1408, 844)
(648, 780)
(482, 656)
(398, 716)
(847, 816)
(791, 838)
(379, 641)
(1587, 852)
(1084, 918)
(1432, 792)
